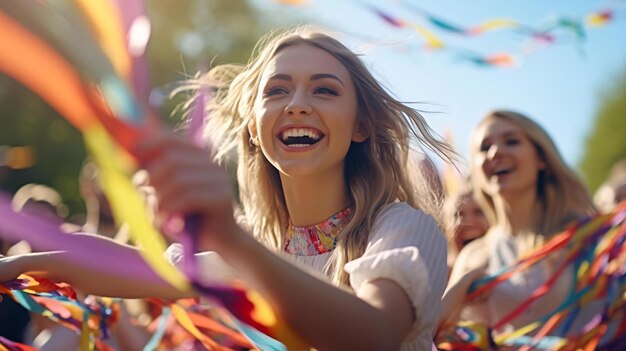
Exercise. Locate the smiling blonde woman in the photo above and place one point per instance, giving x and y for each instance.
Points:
(325, 187)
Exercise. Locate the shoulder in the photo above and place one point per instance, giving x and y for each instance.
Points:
(402, 212)
(402, 222)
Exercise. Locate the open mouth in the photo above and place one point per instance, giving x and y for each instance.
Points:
(502, 171)
(300, 137)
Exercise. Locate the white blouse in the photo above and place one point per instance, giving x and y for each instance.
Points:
(405, 246)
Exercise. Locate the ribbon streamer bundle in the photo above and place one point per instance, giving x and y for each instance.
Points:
(595, 248)
(86, 59)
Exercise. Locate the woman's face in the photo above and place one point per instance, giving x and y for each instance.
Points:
(505, 161)
(472, 222)
(305, 112)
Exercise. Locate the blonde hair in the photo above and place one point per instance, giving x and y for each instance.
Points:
(562, 196)
(371, 183)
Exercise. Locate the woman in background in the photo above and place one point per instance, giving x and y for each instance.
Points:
(528, 194)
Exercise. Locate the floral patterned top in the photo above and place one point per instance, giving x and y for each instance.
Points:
(316, 239)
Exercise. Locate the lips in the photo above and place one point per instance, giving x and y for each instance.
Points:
(501, 170)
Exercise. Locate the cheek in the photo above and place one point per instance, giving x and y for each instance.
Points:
(528, 155)
(482, 222)
(342, 130)
(346, 111)
(532, 170)
(464, 220)
(263, 123)
(458, 232)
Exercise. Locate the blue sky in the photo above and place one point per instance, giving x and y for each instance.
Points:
(560, 85)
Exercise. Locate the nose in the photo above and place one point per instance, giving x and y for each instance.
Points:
(298, 105)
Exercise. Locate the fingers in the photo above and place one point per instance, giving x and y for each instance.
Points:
(189, 193)
(183, 176)
(182, 179)
(178, 160)
(153, 145)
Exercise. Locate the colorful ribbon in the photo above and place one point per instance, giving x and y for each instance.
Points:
(59, 303)
(111, 120)
(595, 248)
(431, 28)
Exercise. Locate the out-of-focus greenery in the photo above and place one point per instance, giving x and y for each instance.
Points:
(25, 120)
(606, 143)
(184, 33)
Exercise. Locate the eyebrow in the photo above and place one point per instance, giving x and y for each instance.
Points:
(316, 76)
(506, 134)
(511, 133)
(326, 75)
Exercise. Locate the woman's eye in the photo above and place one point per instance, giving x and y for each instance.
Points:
(275, 91)
(484, 147)
(326, 90)
(513, 141)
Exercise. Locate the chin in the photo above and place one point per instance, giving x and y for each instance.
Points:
(513, 193)
(296, 169)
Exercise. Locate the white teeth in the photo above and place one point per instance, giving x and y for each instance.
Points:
(300, 132)
(500, 171)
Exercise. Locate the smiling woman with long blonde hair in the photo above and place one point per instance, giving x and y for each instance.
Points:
(529, 194)
(325, 184)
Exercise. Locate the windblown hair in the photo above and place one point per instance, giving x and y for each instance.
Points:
(562, 196)
(376, 170)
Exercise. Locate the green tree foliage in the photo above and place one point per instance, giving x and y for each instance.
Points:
(58, 150)
(606, 143)
(190, 31)
(184, 33)
(189, 35)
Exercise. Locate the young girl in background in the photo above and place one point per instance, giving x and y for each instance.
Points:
(465, 222)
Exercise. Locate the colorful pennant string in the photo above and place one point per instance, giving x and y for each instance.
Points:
(431, 28)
